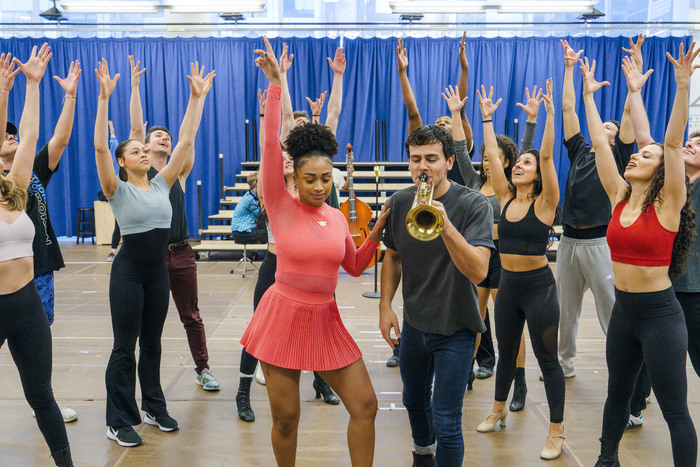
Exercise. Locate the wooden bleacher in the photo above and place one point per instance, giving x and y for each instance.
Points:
(394, 177)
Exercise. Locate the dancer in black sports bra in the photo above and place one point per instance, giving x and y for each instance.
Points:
(527, 289)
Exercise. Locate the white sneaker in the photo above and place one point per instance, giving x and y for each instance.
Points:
(69, 415)
(259, 375)
(635, 421)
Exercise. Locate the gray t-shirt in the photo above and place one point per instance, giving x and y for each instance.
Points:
(690, 280)
(139, 211)
(437, 298)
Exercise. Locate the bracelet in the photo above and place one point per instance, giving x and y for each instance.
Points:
(69, 97)
(262, 115)
(315, 115)
(487, 121)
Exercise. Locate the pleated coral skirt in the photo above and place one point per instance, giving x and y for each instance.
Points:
(300, 331)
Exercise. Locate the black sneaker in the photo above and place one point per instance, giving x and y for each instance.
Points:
(124, 436)
(163, 421)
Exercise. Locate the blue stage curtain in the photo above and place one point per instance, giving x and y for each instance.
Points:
(371, 91)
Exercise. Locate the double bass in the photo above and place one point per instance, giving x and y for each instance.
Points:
(357, 212)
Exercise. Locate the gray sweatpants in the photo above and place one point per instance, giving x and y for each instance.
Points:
(582, 265)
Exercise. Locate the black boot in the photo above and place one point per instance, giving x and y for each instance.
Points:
(245, 412)
(62, 457)
(472, 377)
(519, 391)
(608, 455)
(423, 460)
(323, 389)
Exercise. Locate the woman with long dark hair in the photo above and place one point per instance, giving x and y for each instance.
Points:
(297, 325)
(527, 291)
(650, 234)
(139, 283)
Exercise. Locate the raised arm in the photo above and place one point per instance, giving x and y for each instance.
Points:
(550, 184)
(7, 80)
(568, 101)
(103, 158)
(190, 123)
(531, 108)
(316, 107)
(138, 132)
(674, 175)
(272, 165)
(463, 89)
(499, 182)
(632, 120)
(451, 95)
(335, 101)
(414, 120)
(64, 126)
(612, 181)
(285, 64)
(33, 69)
(189, 161)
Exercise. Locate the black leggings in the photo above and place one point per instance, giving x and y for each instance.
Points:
(116, 235)
(24, 325)
(531, 296)
(138, 298)
(649, 327)
(266, 277)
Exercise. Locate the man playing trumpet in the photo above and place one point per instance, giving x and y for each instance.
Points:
(440, 309)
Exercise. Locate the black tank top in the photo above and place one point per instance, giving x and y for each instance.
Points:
(528, 236)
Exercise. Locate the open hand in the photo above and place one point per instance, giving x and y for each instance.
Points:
(487, 105)
(7, 73)
(200, 84)
(548, 98)
(338, 62)
(635, 80)
(451, 95)
(532, 103)
(135, 72)
(317, 105)
(683, 67)
(635, 51)
(285, 61)
(571, 58)
(590, 85)
(70, 82)
(35, 67)
(107, 83)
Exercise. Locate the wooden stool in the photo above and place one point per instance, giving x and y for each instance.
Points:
(86, 224)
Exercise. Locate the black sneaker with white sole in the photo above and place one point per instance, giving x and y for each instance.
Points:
(124, 436)
(163, 421)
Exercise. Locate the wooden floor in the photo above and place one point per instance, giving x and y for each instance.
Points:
(212, 435)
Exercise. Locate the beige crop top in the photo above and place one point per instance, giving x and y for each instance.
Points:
(16, 238)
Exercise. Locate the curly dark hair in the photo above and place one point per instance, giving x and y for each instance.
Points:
(510, 154)
(430, 134)
(686, 229)
(310, 140)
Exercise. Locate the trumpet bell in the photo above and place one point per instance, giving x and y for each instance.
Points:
(424, 222)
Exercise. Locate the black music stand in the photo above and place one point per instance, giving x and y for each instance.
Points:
(375, 293)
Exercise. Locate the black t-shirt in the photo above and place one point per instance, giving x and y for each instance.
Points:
(585, 200)
(437, 297)
(179, 231)
(47, 252)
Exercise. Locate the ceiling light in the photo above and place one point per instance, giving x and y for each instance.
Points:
(215, 6)
(420, 7)
(540, 6)
(122, 6)
(53, 14)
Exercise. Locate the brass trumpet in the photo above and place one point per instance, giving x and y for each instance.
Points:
(423, 221)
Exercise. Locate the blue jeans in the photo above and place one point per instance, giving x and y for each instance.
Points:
(436, 416)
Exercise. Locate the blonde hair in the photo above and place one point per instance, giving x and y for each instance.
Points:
(252, 179)
(14, 196)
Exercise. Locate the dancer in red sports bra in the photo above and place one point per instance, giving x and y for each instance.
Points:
(296, 325)
(650, 234)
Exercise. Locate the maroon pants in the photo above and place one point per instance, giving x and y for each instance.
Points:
(182, 268)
